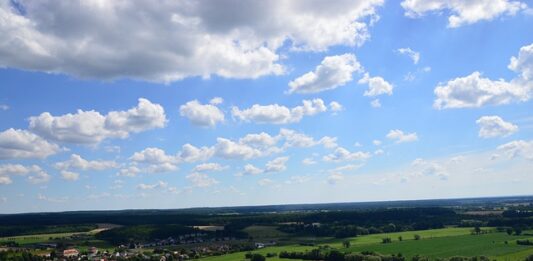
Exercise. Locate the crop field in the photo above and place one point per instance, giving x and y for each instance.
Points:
(433, 243)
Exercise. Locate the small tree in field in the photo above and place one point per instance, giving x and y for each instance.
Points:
(400, 238)
(417, 237)
(509, 231)
(346, 243)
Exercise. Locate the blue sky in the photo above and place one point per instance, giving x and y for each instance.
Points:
(183, 104)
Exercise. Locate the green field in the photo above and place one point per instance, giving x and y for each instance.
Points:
(433, 243)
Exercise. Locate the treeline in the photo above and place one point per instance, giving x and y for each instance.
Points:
(7, 231)
(146, 233)
(335, 255)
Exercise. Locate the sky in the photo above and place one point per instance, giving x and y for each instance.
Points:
(176, 104)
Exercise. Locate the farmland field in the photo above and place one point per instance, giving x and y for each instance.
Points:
(434, 243)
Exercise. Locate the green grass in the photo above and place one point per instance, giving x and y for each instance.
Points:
(466, 245)
(434, 243)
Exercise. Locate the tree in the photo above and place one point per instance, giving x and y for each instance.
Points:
(477, 230)
(529, 258)
(257, 257)
(509, 231)
(346, 243)
(517, 230)
(417, 237)
(400, 238)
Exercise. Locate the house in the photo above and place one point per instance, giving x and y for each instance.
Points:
(71, 252)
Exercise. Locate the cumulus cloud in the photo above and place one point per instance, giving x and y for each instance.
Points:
(4, 107)
(190, 153)
(523, 64)
(156, 160)
(415, 56)
(205, 115)
(159, 185)
(475, 91)
(21, 144)
(250, 169)
(201, 180)
(400, 137)
(518, 148)
(494, 126)
(77, 162)
(335, 106)
(463, 12)
(333, 72)
(277, 164)
(376, 85)
(229, 149)
(209, 167)
(130, 171)
(174, 40)
(342, 154)
(69, 175)
(375, 103)
(309, 161)
(7, 170)
(278, 114)
(91, 127)
(421, 167)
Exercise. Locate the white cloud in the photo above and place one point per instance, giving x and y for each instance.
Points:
(39, 177)
(342, 154)
(420, 167)
(415, 56)
(4, 107)
(474, 91)
(201, 180)
(190, 153)
(91, 127)
(5, 180)
(228, 149)
(158, 185)
(375, 103)
(296, 139)
(209, 167)
(77, 162)
(205, 115)
(494, 126)
(69, 175)
(130, 171)
(265, 182)
(335, 106)
(277, 164)
(379, 152)
(308, 161)
(518, 148)
(463, 12)
(19, 144)
(250, 169)
(523, 64)
(37, 174)
(156, 160)
(278, 114)
(174, 40)
(376, 142)
(333, 72)
(376, 85)
(328, 142)
(259, 140)
(52, 199)
(216, 101)
(400, 137)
